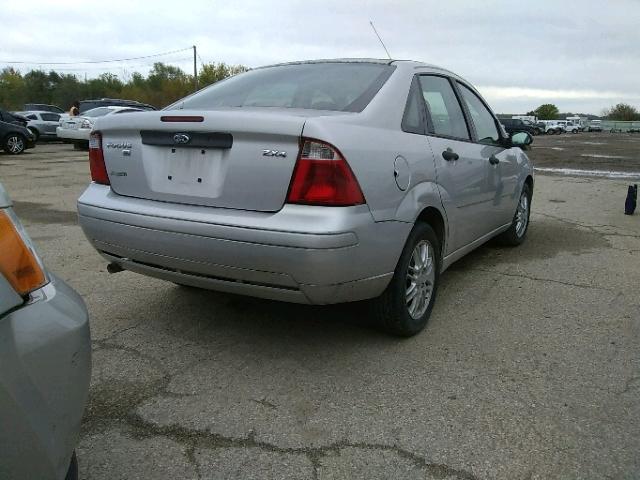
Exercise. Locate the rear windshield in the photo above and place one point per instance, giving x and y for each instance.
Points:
(345, 87)
(97, 112)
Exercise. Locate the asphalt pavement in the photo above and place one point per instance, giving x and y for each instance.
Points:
(528, 369)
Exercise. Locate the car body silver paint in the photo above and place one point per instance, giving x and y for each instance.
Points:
(245, 239)
(45, 368)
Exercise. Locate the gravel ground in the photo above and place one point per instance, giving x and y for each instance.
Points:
(529, 368)
(593, 151)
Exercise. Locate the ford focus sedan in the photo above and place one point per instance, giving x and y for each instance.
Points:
(45, 361)
(312, 182)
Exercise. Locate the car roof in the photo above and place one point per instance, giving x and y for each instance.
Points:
(381, 61)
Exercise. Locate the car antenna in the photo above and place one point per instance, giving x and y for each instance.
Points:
(377, 35)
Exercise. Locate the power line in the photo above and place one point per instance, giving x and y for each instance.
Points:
(96, 61)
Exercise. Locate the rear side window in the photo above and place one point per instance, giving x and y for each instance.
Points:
(412, 121)
(50, 117)
(338, 86)
(443, 107)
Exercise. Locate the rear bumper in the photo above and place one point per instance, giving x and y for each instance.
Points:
(300, 254)
(45, 368)
(73, 134)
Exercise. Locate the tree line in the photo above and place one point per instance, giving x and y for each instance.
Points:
(163, 85)
(619, 112)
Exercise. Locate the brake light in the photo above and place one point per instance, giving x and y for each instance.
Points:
(182, 118)
(96, 159)
(323, 177)
(18, 261)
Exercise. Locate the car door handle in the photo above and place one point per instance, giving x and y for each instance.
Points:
(493, 160)
(450, 155)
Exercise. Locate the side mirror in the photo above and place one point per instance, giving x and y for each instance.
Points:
(521, 139)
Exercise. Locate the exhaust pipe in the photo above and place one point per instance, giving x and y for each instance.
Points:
(114, 267)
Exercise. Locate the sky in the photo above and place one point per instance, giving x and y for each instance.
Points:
(581, 55)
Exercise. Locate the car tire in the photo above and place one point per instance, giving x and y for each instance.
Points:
(14, 144)
(520, 224)
(72, 473)
(418, 271)
(35, 132)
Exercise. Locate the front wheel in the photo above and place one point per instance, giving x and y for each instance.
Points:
(14, 144)
(405, 306)
(520, 224)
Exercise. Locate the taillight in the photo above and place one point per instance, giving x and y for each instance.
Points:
(322, 177)
(96, 159)
(19, 262)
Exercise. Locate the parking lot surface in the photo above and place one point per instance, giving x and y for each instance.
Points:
(528, 369)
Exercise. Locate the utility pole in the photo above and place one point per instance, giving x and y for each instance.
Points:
(195, 71)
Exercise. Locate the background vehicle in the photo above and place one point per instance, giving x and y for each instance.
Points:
(76, 129)
(595, 126)
(570, 127)
(45, 361)
(537, 129)
(42, 124)
(312, 183)
(514, 125)
(14, 118)
(551, 127)
(42, 107)
(15, 139)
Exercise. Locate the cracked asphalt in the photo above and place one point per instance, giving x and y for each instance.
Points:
(528, 369)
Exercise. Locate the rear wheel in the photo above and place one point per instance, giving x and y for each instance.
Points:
(14, 144)
(405, 306)
(520, 224)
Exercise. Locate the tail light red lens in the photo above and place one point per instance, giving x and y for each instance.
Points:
(96, 159)
(322, 177)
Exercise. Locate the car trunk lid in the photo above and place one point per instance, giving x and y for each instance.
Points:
(233, 158)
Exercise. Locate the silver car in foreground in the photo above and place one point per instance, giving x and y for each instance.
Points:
(45, 361)
(313, 182)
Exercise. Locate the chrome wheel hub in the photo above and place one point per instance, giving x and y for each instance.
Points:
(522, 215)
(421, 277)
(15, 144)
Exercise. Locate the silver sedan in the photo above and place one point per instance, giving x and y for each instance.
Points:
(312, 182)
(45, 361)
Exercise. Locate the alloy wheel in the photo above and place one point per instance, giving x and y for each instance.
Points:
(522, 215)
(15, 144)
(420, 279)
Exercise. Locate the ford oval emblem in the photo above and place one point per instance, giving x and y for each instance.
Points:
(181, 138)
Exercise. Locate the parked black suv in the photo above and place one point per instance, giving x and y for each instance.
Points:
(15, 139)
(112, 102)
(514, 125)
(12, 118)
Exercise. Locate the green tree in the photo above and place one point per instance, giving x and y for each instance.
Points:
(162, 86)
(212, 72)
(622, 112)
(548, 111)
(12, 92)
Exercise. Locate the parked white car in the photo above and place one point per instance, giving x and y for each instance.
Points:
(76, 129)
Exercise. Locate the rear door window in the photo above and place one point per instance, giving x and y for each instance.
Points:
(50, 117)
(443, 107)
